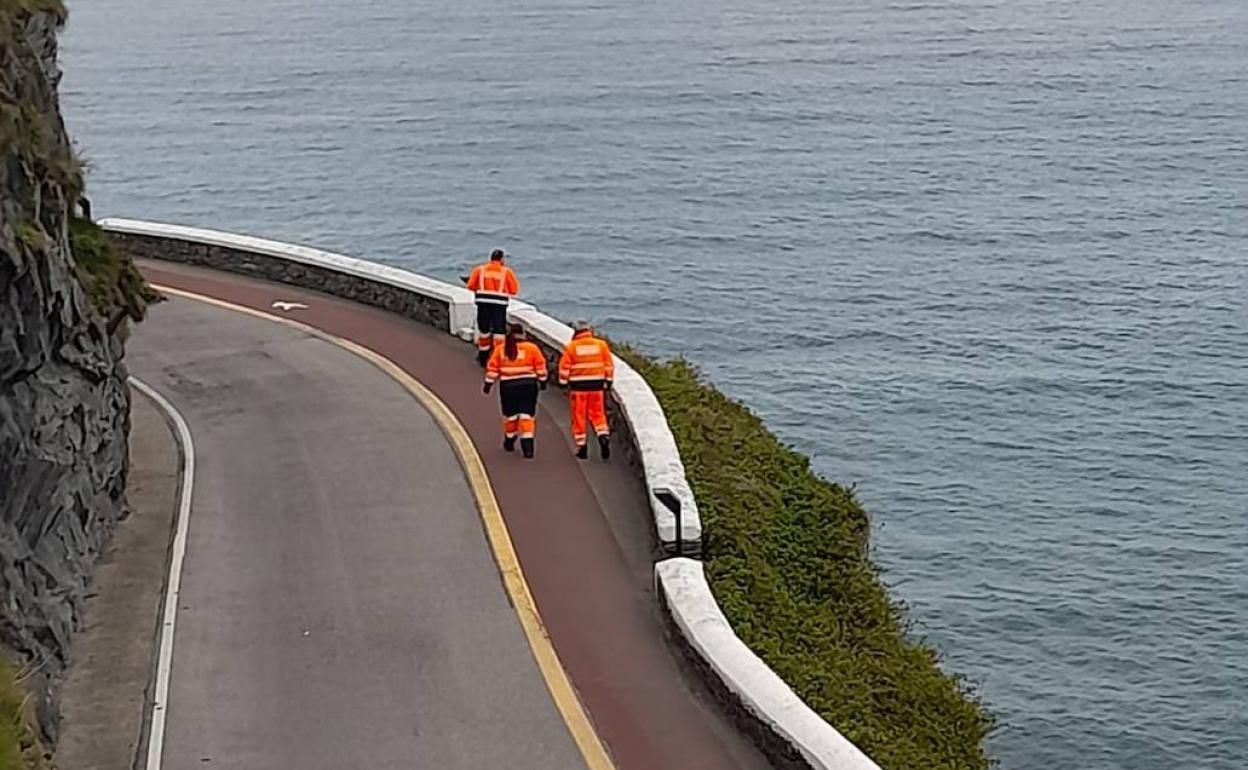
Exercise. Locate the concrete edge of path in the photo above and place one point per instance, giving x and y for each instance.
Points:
(553, 674)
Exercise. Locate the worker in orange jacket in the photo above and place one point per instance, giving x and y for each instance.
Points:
(494, 284)
(587, 369)
(519, 368)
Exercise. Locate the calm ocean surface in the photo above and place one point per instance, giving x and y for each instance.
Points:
(987, 260)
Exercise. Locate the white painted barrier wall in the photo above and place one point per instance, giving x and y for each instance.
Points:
(681, 582)
(662, 468)
(699, 620)
(459, 299)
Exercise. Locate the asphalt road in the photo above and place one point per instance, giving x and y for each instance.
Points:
(581, 532)
(340, 607)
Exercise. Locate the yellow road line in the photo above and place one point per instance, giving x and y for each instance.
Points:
(566, 700)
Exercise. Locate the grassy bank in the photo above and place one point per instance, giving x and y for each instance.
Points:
(44, 173)
(787, 557)
(19, 749)
(113, 283)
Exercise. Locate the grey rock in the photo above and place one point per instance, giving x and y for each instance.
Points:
(64, 404)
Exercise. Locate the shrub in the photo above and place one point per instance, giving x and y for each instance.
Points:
(19, 748)
(114, 285)
(787, 559)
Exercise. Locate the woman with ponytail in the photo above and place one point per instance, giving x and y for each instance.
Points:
(519, 368)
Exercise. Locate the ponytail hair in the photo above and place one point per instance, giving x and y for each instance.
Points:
(511, 345)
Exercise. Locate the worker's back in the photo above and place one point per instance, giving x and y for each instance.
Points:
(587, 368)
(587, 363)
(528, 362)
(493, 283)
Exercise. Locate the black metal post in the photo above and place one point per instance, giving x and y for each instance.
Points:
(673, 504)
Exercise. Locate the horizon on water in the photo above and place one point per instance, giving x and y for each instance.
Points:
(985, 260)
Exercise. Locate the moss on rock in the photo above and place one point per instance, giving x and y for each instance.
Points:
(63, 392)
(113, 284)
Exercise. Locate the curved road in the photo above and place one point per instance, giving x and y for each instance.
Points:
(340, 603)
(339, 606)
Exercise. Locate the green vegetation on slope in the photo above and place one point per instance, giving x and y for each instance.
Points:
(28, 129)
(29, 7)
(787, 559)
(42, 165)
(41, 180)
(14, 11)
(109, 276)
(19, 748)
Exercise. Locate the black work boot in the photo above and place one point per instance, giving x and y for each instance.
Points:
(604, 443)
(526, 446)
(582, 452)
(509, 444)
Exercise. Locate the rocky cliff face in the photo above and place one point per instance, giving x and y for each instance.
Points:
(64, 405)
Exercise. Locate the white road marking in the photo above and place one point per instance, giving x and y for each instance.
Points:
(164, 661)
(286, 306)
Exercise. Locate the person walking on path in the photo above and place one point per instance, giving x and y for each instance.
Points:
(494, 284)
(519, 368)
(587, 369)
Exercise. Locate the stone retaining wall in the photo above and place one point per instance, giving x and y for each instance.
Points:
(367, 291)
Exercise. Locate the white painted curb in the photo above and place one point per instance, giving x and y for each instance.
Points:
(662, 468)
(699, 620)
(173, 584)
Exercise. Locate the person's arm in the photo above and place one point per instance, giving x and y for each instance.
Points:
(565, 365)
(541, 367)
(542, 372)
(608, 364)
(511, 284)
(474, 279)
(492, 368)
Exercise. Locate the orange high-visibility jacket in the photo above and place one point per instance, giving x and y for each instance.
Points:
(587, 363)
(529, 362)
(494, 283)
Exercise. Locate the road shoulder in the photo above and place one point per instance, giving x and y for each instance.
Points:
(105, 690)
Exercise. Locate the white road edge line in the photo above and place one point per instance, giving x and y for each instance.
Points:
(164, 661)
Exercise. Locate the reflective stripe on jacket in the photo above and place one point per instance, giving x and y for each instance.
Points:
(586, 363)
(494, 283)
(528, 363)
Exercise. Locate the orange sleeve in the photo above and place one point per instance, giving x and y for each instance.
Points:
(494, 365)
(511, 284)
(474, 279)
(608, 360)
(541, 362)
(565, 364)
